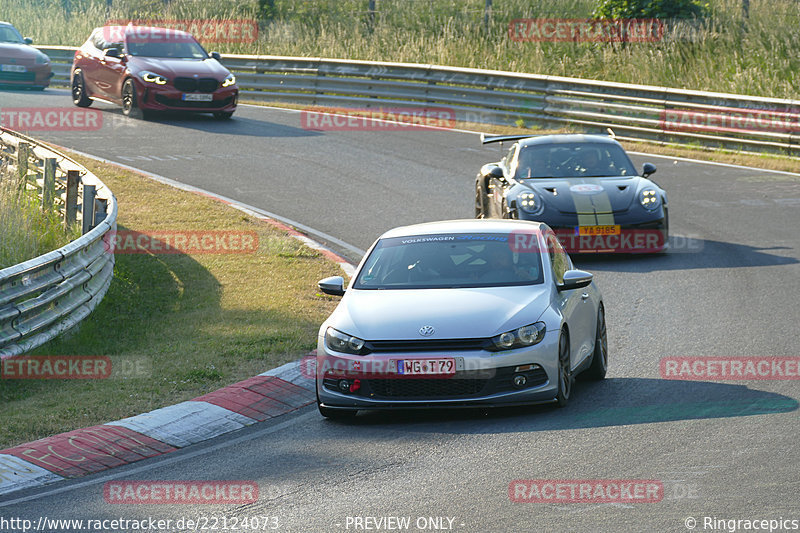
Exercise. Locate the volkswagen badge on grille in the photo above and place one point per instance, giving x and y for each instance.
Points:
(426, 331)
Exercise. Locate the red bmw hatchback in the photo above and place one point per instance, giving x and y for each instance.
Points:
(146, 69)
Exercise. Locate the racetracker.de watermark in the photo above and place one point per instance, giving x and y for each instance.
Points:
(182, 242)
(730, 368)
(732, 120)
(206, 30)
(607, 239)
(56, 367)
(586, 30)
(180, 492)
(586, 491)
(378, 119)
(50, 119)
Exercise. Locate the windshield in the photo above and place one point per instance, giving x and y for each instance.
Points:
(10, 35)
(571, 160)
(448, 261)
(179, 49)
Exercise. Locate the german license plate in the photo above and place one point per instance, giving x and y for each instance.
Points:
(198, 97)
(427, 367)
(13, 68)
(597, 230)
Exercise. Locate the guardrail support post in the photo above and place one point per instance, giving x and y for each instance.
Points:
(49, 184)
(87, 207)
(100, 210)
(71, 201)
(23, 151)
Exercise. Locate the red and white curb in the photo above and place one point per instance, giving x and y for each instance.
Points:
(89, 450)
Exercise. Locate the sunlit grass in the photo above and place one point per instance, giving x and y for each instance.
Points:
(716, 54)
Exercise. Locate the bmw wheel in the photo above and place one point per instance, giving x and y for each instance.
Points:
(597, 370)
(79, 96)
(130, 102)
(565, 378)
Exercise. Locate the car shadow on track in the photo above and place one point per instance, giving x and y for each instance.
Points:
(238, 125)
(612, 402)
(704, 254)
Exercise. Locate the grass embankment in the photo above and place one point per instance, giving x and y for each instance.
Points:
(25, 231)
(194, 322)
(720, 53)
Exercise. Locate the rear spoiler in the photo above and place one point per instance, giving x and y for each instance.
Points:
(486, 139)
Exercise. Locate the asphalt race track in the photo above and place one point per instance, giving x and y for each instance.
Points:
(722, 450)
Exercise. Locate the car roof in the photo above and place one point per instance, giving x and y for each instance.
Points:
(568, 138)
(465, 226)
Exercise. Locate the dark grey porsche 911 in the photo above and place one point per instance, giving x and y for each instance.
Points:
(585, 187)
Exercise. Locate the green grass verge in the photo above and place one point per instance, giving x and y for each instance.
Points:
(195, 322)
(25, 231)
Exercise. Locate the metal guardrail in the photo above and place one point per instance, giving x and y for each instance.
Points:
(635, 112)
(49, 294)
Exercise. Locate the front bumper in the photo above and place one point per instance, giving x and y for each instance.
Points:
(170, 99)
(482, 378)
(37, 76)
(640, 237)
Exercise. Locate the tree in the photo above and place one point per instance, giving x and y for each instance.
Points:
(639, 9)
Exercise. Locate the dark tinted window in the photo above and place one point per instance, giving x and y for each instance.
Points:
(564, 160)
(448, 260)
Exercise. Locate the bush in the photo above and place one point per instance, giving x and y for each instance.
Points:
(662, 9)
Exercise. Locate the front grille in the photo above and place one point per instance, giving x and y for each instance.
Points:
(425, 388)
(190, 85)
(174, 102)
(17, 76)
(428, 345)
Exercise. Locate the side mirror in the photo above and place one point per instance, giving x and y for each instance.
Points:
(215, 55)
(497, 173)
(27, 40)
(575, 279)
(647, 169)
(333, 285)
(113, 52)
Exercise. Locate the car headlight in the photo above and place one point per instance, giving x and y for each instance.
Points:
(42, 59)
(530, 202)
(341, 342)
(230, 80)
(152, 77)
(518, 338)
(649, 199)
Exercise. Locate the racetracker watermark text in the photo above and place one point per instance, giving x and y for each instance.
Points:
(180, 492)
(378, 119)
(730, 368)
(50, 119)
(585, 491)
(206, 30)
(182, 242)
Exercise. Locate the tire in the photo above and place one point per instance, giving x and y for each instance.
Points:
(79, 96)
(223, 115)
(130, 102)
(597, 370)
(480, 201)
(565, 377)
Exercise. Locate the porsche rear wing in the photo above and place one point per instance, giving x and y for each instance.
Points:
(486, 139)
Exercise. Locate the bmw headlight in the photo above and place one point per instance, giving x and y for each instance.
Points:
(152, 77)
(518, 338)
(530, 202)
(230, 80)
(42, 59)
(649, 199)
(342, 342)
